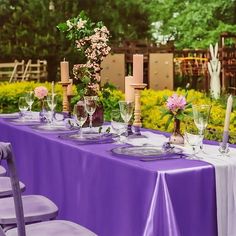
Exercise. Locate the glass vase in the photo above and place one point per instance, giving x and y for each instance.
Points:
(176, 137)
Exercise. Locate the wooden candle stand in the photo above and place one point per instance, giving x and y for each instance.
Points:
(137, 108)
(65, 101)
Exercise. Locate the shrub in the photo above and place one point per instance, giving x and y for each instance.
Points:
(10, 93)
(151, 104)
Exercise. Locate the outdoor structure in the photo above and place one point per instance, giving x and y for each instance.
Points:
(20, 71)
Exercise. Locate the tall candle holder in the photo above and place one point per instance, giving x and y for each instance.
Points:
(65, 101)
(137, 108)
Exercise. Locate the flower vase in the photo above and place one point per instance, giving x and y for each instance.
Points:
(97, 117)
(176, 137)
(42, 113)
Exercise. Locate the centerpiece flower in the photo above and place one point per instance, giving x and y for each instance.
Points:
(41, 93)
(176, 107)
(91, 41)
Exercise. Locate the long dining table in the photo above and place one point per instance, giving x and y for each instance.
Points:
(115, 195)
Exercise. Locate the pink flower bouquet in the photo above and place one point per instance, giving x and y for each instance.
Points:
(176, 107)
(176, 103)
(40, 92)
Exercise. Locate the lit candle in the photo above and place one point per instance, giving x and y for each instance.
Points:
(64, 71)
(138, 68)
(70, 88)
(129, 90)
(227, 120)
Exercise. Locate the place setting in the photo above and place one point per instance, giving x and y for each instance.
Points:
(25, 116)
(83, 111)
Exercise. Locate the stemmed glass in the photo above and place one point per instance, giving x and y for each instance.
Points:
(81, 115)
(126, 111)
(90, 106)
(117, 124)
(23, 107)
(201, 115)
(52, 102)
(193, 139)
(29, 97)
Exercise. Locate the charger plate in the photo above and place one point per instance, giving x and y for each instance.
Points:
(51, 128)
(142, 152)
(90, 138)
(20, 121)
(9, 115)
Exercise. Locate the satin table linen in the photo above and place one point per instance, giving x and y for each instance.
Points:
(114, 196)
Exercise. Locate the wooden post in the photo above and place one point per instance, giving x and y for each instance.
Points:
(137, 107)
(65, 101)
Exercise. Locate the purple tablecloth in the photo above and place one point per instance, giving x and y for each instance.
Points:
(115, 196)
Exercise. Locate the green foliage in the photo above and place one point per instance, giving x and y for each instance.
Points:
(109, 98)
(153, 104)
(195, 24)
(10, 93)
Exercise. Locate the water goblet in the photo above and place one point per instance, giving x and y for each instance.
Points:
(126, 111)
(201, 115)
(81, 115)
(23, 107)
(90, 106)
(29, 97)
(193, 139)
(117, 124)
(52, 102)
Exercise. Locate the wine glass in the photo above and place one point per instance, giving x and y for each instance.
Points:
(117, 124)
(193, 138)
(126, 111)
(52, 102)
(29, 97)
(23, 106)
(81, 115)
(90, 106)
(201, 115)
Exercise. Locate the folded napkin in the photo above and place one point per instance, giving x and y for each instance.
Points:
(150, 138)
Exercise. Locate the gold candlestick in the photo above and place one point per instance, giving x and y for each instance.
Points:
(65, 101)
(137, 107)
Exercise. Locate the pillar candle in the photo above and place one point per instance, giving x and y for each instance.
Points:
(138, 68)
(52, 87)
(227, 120)
(129, 90)
(70, 88)
(64, 71)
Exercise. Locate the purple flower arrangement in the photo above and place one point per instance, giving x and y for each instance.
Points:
(176, 103)
(176, 107)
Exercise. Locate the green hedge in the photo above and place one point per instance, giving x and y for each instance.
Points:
(10, 93)
(151, 103)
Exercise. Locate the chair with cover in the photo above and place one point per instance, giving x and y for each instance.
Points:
(46, 228)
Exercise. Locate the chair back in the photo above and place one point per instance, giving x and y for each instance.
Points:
(7, 155)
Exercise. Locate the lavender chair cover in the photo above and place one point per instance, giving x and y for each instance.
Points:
(50, 228)
(5, 186)
(2, 171)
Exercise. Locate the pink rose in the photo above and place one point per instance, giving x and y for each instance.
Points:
(40, 92)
